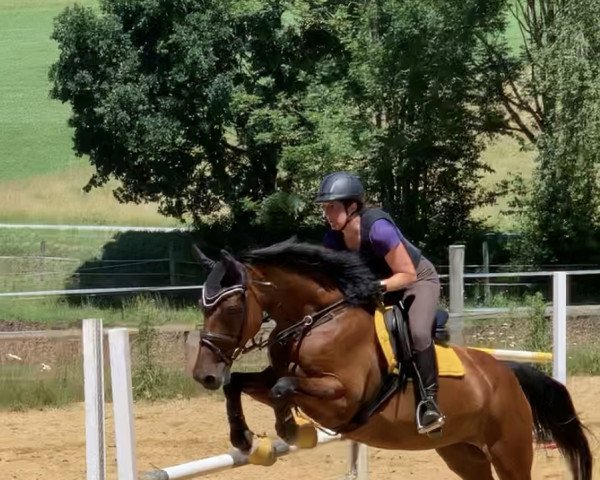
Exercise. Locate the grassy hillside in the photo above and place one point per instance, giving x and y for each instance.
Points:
(40, 177)
(58, 198)
(506, 157)
(34, 137)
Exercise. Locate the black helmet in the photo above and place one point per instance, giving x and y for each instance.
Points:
(341, 186)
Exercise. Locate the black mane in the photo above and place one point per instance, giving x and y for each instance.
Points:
(342, 269)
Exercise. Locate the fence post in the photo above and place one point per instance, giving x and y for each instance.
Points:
(456, 288)
(42, 263)
(93, 378)
(358, 461)
(456, 278)
(172, 273)
(120, 372)
(485, 253)
(559, 327)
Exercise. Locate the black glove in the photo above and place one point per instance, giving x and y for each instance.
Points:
(378, 290)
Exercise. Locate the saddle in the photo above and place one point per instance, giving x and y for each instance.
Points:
(396, 322)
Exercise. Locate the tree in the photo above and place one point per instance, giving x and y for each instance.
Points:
(232, 110)
(561, 212)
(180, 100)
(420, 71)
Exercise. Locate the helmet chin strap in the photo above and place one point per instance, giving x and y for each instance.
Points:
(348, 219)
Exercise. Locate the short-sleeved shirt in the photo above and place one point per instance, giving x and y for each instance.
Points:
(384, 237)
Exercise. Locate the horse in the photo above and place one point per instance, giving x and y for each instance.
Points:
(325, 362)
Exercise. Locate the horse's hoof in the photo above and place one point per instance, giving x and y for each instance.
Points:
(242, 440)
(262, 453)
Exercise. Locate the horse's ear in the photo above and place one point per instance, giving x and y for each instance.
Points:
(235, 269)
(206, 262)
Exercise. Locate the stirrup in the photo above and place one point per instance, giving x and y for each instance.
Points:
(435, 428)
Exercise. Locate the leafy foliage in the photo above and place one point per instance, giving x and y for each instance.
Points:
(560, 212)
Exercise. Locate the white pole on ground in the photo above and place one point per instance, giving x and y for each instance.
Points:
(122, 394)
(93, 380)
(559, 327)
(358, 461)
(233, 459)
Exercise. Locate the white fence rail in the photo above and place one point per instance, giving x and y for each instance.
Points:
(99, 291)
(92, 228)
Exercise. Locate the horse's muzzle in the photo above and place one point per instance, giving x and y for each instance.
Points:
(212, 380)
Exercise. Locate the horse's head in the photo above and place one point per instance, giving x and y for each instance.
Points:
(232, 317)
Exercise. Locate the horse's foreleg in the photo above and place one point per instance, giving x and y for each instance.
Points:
(256, 385)
(323, 388)
(288, 390)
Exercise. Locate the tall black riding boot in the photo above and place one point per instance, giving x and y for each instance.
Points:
(429, 417)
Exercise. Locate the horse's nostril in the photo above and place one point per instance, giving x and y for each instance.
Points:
(210, 381)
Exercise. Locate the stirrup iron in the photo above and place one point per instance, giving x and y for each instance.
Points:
(436, 427)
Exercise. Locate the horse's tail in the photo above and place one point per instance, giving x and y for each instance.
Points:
(555, 418)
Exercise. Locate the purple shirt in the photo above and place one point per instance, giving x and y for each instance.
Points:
(384, 237)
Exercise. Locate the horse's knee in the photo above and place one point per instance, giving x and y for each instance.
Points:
(283, 388)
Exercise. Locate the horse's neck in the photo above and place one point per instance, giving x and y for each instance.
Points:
(294, 296)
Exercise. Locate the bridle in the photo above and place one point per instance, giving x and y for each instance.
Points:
(220, 343)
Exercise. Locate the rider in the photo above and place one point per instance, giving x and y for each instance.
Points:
(402, 267)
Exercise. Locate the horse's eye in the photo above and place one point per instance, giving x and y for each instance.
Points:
(233, 310)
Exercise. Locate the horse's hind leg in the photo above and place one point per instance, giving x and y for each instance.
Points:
(510, 437)
(512, 457)
(467, 461)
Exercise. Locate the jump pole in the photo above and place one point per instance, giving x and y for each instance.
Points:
(517, 355)
(233, 459)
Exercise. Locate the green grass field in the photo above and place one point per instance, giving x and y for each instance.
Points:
(34, 137)
(40, 177)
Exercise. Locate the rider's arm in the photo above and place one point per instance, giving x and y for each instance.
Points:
(386, 240)
(404, 270)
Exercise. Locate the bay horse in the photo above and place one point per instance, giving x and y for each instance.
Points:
(325, 361)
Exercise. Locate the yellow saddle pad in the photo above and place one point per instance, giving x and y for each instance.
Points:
(449, 365)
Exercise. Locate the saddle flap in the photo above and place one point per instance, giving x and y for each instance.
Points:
(392, 318)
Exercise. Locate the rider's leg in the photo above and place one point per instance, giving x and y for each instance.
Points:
(421, 317)
(430, 416)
